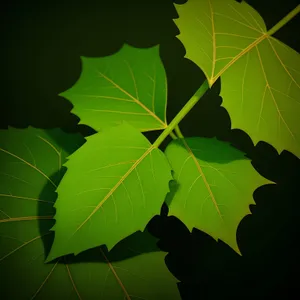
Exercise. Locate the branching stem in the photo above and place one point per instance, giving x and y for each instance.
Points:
(173, 135)
(182, 113)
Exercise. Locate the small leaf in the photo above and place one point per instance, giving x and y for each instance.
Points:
(114, 185)
(30, 160)
(129, 85)
(260, 76)
(216, 183)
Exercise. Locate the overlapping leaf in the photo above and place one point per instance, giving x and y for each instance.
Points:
(260, 75)
(216, 183)
(129, 85)
(31, 161)
(30, 164)
(114, 185)
(91, 275)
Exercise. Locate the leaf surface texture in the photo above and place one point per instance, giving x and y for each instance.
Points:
(31, 161)
(215, 186)
(260, 76)
(129, 85)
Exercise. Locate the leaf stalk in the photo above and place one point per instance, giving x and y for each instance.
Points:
(178, 132)
(284, 20)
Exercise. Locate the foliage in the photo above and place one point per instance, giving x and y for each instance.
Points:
(216, 183)
(111, 197)
(31, 169)
(116, 180)
(260, 75)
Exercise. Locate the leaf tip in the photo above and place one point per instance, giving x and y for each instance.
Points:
(84, 59)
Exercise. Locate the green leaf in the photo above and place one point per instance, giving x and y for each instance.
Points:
(30, 164)
(129, 85)
(114, 185)
(92, 275)
(260, 75)
(216, 183)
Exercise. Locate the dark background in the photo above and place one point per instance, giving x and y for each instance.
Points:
(41, 45)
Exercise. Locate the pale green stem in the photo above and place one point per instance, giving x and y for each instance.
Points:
(284, 20)
(178, 132)
(173, 136)
(183, 112)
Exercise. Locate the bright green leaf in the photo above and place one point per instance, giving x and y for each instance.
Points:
(115, 183)
(216, 183)
(260, 75)
(129, 85)
(30, 164)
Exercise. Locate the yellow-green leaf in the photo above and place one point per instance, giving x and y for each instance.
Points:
(260, 76)
(30, 164)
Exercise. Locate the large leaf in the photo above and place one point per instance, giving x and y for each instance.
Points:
(91, 275)
(30, 160)
(114, 185)
(129, 85)
(260, 75)
(216, 183)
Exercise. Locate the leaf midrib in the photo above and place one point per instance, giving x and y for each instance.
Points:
(116, 275)
(212, 80)
(30, 165)
(212, 197)
(164, 125)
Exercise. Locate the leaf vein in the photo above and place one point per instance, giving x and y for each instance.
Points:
(30, 165)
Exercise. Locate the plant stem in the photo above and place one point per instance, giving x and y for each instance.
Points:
(284, 20)
(173, 136)
(178, 131)
(182, 113)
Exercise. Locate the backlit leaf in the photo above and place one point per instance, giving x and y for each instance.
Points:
(30, 160)
(129, 85)
(31, 163)
(115, 183)
(260, 76)
(216, 183)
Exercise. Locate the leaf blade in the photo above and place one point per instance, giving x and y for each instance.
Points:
(111, 192)
(26, 216)
(211, 196)
(94, 274)
(129, 85)
(210, 14)
(260, 76)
